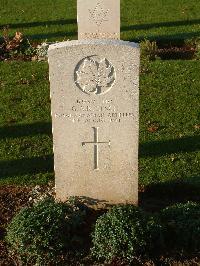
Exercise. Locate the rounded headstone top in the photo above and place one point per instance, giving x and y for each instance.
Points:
(92, 42)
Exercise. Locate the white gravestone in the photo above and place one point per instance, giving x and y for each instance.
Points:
(98, 19)
(95, 115)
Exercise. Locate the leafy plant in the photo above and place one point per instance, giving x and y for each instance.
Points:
(182, 227)
(149, 50)
(40, 233)
(195, 43)
(197, 54)
(42, 51)
(18, 45)
(124, 232)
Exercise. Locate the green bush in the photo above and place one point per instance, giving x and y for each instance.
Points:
(40, 233)
(124, 232)
(149, 50)
(182, 227)
(195, 43)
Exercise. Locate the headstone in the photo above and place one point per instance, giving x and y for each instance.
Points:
(98, 19)
(95, 110)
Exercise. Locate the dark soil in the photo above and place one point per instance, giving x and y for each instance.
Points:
(175, 53)
(12, 199)
(155, 197)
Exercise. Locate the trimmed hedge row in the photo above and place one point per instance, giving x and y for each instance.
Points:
(48, 229)
(126, 231)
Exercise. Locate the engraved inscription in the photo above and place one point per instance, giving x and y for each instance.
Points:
(94, 75)
(96, 143)
(98, 15)
(94, 111)
(96, 117)
(102, 35)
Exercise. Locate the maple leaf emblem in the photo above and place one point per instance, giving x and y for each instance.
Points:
(98, 14)
(94, 75)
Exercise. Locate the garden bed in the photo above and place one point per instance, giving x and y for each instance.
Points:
(13, 198)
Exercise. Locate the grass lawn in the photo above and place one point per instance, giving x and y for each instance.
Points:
(56, 19)
(25, 133)
(169, 101)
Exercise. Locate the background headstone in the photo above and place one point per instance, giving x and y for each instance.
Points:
(98, 19)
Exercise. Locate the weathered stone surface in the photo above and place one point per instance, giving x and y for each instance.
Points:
(98, 19)
(95, 110)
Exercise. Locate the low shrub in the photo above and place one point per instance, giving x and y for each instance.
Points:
(182, 227)
(40, 233)
(125, 232)
(149, 50)
(195, 43)
(42, 51)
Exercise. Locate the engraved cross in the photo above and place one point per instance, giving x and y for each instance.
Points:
(96, 143)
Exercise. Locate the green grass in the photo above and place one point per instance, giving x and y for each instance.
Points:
(169, 96)
(56, 20)
(25, 132)
(160, 19)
